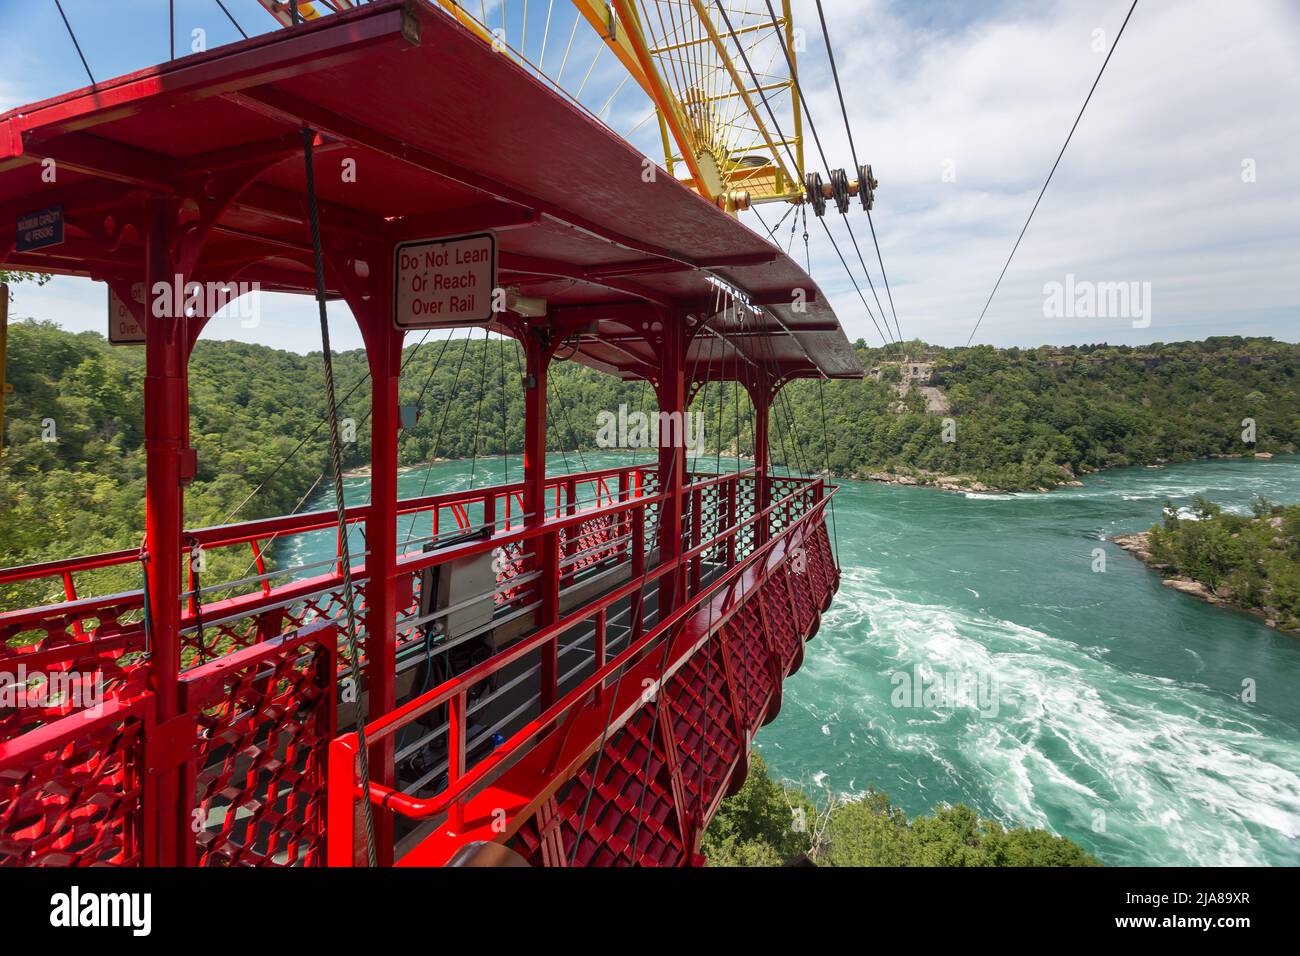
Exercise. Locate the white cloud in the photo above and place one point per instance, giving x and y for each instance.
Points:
(1149, 190)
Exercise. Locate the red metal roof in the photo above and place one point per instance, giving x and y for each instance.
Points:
(448, 137)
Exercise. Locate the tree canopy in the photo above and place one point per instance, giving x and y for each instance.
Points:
(768, 824)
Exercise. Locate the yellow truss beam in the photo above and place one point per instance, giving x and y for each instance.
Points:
(697, 41)
(739, 83)
(616, 37)
(668, 106)
(618, 25)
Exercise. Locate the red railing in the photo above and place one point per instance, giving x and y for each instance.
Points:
(104, 633)
(251, 738)
(748, 571)
(247, 673)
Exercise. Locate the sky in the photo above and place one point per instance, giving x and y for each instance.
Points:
(1183, 178)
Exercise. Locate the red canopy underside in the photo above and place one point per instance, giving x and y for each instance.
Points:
(447, 137)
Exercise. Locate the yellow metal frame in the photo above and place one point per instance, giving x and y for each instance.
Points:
(629, 44)
(618, 24)
(280, 10)
(743, 93)
(670, 110)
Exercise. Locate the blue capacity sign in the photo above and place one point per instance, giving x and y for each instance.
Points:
(39, 229)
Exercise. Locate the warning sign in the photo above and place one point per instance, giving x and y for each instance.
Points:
(444, 282)
(39, 229)
(123, 327)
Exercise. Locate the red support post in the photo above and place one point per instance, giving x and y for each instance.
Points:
(573, 541)
(732, 488)
(638, 571)
(761, 396)
(368, 294)
(385, 354)
(671, 389)
(697, 531)
(166, 411)
(545, 548)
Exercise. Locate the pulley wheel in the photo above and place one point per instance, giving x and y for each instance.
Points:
(812, 184)
(840, 189)
(867, 187)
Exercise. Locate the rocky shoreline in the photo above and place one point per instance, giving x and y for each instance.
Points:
(928, 479)
(958, 483)
(920, 478)
(1138, 545)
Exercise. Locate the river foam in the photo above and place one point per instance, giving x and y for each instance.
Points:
(1137, 768)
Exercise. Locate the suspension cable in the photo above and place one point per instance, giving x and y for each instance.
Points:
(857, 288)
(336, 461)
(826, 444)
(835, 73)
(73, 35)
(638, 600)
(478, 412)
(807, 112)
(1051, 173)
(433, 451)
(679, 583)
(310, 435)
(505, 447)
(777, 126)
(232, 19)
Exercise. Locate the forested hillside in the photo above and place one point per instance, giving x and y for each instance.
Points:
(1022, 419)
(1032, 418)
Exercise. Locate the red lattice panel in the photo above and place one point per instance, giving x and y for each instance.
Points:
(801, 586)
(748, 656)
(87, 639)
(823, 561)
(591, 534)
(265, 717)
(219, 640)
(510, 561)
(745, 499)
(813, 573)
(699, 704)
(779, 615)
(827, 557)
(71, 793)
(255, 627)
(616, 805)
(785, 511)
(713, 521)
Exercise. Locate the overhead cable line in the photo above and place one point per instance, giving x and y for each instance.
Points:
(839, 91)
(777, 126)
(73, 35)
(336, 461)
(812, 126)
(433, 451)
(312, 434)
(1051, 173)
(232, 19)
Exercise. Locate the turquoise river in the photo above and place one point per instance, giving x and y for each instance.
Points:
(1091, 700)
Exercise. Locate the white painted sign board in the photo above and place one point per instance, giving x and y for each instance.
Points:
(123, 329)
(445, 281)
